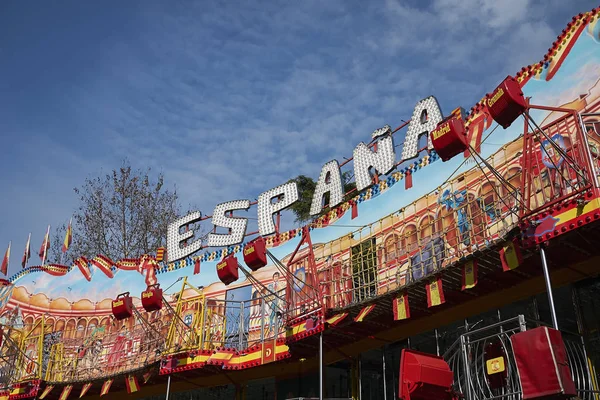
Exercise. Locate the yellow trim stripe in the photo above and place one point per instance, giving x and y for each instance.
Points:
(578, 211)
(364, 312)
(221, 356)
(336, 318)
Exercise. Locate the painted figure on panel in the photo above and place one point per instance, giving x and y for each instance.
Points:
(457, 202)
(274, 303)
(118, 352)
(90, 359)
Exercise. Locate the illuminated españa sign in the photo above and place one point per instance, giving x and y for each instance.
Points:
(425, 118)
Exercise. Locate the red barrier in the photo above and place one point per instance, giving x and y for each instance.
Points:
(424, 377)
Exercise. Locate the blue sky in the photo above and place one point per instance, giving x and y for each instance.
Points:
(228, 99)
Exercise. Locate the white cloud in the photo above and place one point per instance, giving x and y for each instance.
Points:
(232, 100)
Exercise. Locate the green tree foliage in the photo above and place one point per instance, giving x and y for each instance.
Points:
(306, 189)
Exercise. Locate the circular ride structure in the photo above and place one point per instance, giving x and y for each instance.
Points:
(378, 268)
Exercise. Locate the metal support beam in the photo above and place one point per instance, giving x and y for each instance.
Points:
(321, 388)
(168, 387)
(384, 377)
(359, 377)
(549, 288)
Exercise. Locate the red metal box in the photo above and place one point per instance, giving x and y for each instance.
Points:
(424, 377)
(152, 298)
(449, 138)
(507, 102)
(542, 364)
(255, 254)
(227, 270)
(122, 306)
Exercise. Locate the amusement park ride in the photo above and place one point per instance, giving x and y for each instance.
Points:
(515, 223)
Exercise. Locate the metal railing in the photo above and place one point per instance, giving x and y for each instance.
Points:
(470, 211)
(239, 325)
(467, 359)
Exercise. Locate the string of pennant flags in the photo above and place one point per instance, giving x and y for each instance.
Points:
(160, 266)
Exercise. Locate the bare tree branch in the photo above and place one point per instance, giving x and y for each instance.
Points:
(123, 214)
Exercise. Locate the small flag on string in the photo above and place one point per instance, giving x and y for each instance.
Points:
(354, 210)
(68, 238)
(46, 391)
(85, 389)
(132, 384)
(5, 261)
(469, 275)
(106, 387)
(435, 292)
(66, 392)
(336, 319)
(160, 254)
(45, 246)
(363, 313)
(401, 309)
(408, 180)
(197, 266)
(147, 376)
(27, 252)
(510, 255)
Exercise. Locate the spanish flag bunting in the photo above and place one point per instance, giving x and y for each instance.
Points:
(66, 392)
(401, 309)
(132, 384)
(435, 292)
(510, 255)
(68, 238)
(363, 313)
(5, 261)
(160, 254)
(336, 319)
(469, 275)
(46, 392)
(85, 389)
(106, 387)
(82, 264)
(104, 264)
